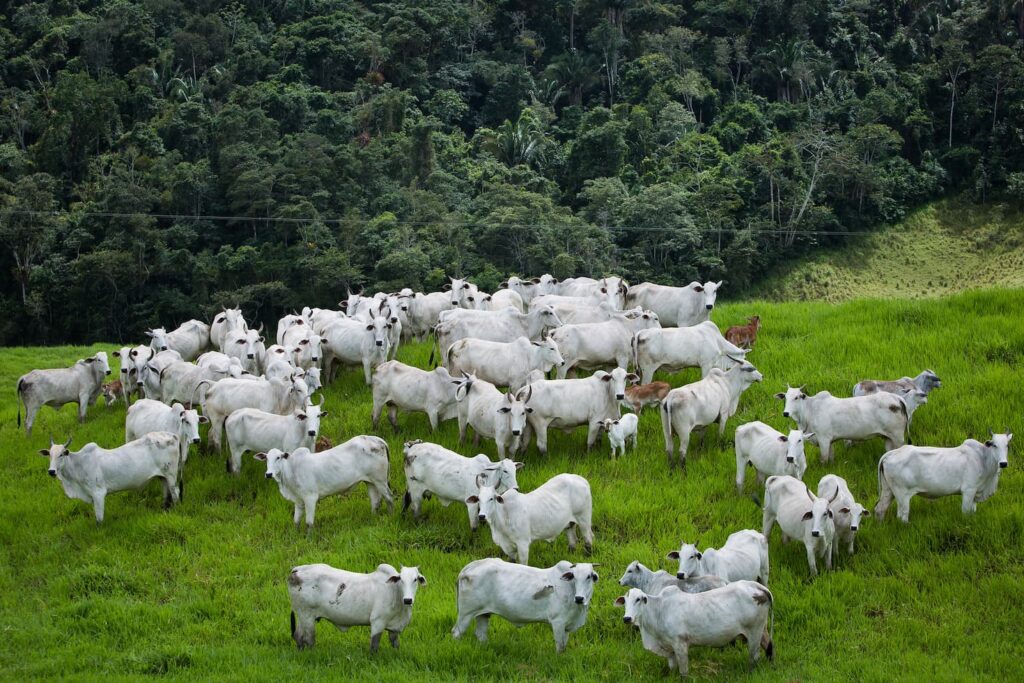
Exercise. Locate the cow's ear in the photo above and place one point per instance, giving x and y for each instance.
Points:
(803, 395)
(620, 601)
(520, 465)
(44, 452)
(698, 288)
(674, 555)
(845, 511)
(504, 409)
(605, 377)
(285, 455)
(568, 576)
(116, 354)
(262, 457)
(422, 579)
(300, 416)
(808, 515)
(370, 326)
(700, 556)
(633, 378)
(781, 396)
(472, 500)
(446, 287)
(529, 409)
(204, 420)
(394, 579)
(324, 414)
(783, 438)
(500, 499)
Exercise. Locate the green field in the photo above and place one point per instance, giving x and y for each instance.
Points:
(946, 247)
(199, 592)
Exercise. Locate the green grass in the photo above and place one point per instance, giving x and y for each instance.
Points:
(199, 591)
(946, 247)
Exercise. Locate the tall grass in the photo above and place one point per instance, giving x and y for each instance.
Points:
(199, 591)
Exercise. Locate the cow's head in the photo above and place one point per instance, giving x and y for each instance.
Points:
(141, 357)
(999, 445)
(929, 381)
(689, 560)
(310, 347)
(407, 581)
(463, 293)
(634, 601)
(124, 355)
(516, 410)
(608, 423)
(100, 359)
(582, 578)
(158, 338)
(310, 417)
(378, 329)
(502, 475)
(486, 497)
(794, 398)
(710, 292)
(189, 423)
(857, 514)
(277, 461)
(616, 380)
(545, 317)
(634, 574)
(312, 378)
(820, 515)
(796, 459)
(548, 354)
(914, 398)
(57, 452)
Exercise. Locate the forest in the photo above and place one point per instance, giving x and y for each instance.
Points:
(160, 157)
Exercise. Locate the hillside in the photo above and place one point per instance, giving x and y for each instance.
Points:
(198, 592)
(944, 248)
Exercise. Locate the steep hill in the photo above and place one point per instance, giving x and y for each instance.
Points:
(946, 247)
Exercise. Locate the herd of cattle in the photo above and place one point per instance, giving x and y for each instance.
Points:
(258, 399)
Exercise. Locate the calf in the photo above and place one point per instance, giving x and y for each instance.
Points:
(653, 582)
(802, 515)
(432, 470)
(570, 403)
(769, 451)
(250, 429)
(354, 342)
(305, 477)
(81, 384)
(848, 514)
(712, 399)
(381, 600)
(743, 557)
(674, 349)
(112, 391)
(147, 415)
(490, 413)
(673, 621)
(640, 396)
(92, 472)
(323, 444)
(190, 339)
(400, 386)
(559, 595)
(621, 431)
(970, 470)
(857, 419)
(517, 519)
(926, 382)
(744, 335)
(504, 364)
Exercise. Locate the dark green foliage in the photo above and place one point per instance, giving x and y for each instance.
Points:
(159, 158)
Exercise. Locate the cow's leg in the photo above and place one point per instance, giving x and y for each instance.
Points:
(825, 444)
(570, 535)
(378, 407)
(31, 409)
(393, 637)
(753, 648)
(682, 652)
(482, 622)
(903, 506)
(561, 635)
(967, 503)
(884, 499)
(375, 634)
(433, 417)
(371, 490)
(741, 472)
(542, 438)
(473, 510)
(592, 432)
(462, 427)
(647, 373)
(98, 502)
(767, 522)
(523, 552)
(83, 405)
(586, 531)
(303, 630)
(684, 445)
(297, 517)
(812, 563)
(309, 503)
(828, 555)
(562, 370)
(366, 376)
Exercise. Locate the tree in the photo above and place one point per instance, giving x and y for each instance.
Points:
(518, 142)
(28, 226)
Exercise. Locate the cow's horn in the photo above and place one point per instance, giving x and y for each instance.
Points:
(809, 494)
(68, 442)
(990, 432)
(834, 495)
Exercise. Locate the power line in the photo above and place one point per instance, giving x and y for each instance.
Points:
(467, 224)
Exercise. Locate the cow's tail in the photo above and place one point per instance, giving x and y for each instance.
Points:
(906, 420)
(882, 483)
(406, 501)
(21, 399)
(293, 624)
(634, 343)
(433, 347)
(666, 422)
(769, 650)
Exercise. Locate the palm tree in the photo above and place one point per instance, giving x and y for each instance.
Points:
(519, 142)
(577, 72)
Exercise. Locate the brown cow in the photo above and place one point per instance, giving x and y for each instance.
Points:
(744, 335)
(645, 395)
(112, 391)
(323, 444)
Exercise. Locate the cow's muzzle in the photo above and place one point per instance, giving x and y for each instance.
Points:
(269, 475)
(619, 397)
(482, 518)
(407, 601)
(516, 432)
(680, 575)
(579, 599)
(785, 413)
(163, 348)
(311, 432)
(789, 458)
(108, 372)
(816, 534)
(250, 356)
(379, 343)
(709, 306)
(853, 528)
(1003, 465)
(627, 620)
(195, 440)
(52, 473)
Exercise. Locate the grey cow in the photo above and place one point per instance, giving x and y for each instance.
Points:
(925, 382)
(82, 383)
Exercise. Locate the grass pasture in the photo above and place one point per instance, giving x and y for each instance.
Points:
(199, 592)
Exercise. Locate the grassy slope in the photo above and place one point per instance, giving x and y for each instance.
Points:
(946, 247)
(199, 591)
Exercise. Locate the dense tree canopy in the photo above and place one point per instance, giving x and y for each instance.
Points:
(159, 158)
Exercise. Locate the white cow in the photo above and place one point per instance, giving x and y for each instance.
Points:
(743, 557)
(673, 621)
(424, 310)
(857, 418)
(620, 432)
(562, 503)
(190, 339)
(712, 399)
(769, 451)
(501, 326)
(970, 470)
(381, 600)
(304, 345)
(499, 300)
(280, 396)
(245, 346)
(147, 415)
(925, 382)
(228, 320)
(570, 403)
(676, 348)
(528, 289)
(221, 363)
(504, 364)
(400, 386)
(148, 367)
(600, 345)
(251, 429)
(611, 289)
(82, 383)
(432, 470)
(305, 477)
(354, 342)
(129, 387)
(293, 320)
(491, 414)
(802, 515)
(676, 306)
(92, 472)
(848, 513)
(653, 582)
(185, 382)
(558, 595)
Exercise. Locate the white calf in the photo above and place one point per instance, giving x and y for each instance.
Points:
(769, 451)
(620, 432)
(800, 514)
